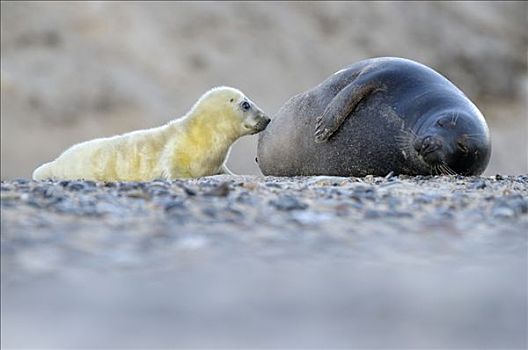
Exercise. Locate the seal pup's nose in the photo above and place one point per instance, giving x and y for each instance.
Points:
(263, 119)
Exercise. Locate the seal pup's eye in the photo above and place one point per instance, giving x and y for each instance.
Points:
(245, 105)
(231, 100)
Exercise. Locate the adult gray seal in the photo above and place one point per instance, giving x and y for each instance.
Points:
(377, 116)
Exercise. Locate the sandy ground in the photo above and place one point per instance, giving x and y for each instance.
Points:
(247, 261)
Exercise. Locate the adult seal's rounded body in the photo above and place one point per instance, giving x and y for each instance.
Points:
(374, 117)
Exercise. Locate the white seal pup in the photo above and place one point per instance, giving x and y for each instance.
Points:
(193, 146)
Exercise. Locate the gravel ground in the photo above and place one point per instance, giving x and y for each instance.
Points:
(248, 261)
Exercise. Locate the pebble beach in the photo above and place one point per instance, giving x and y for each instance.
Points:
(245, 261)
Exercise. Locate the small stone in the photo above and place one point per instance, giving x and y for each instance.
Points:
(503, 212)
(287, 203)
(342, 209)
(516, 203)
(373, 214)
(399, 214)
(250, 185)
(64, 183)
(364, 192)
(423, 199)
(445, 213)
(53, 191)
(273, 184)
(393, 202)
(21, 181)
(192, 242)
(128, 186)
(158, 183)
(34, 203)
(324, 180)
(188, 191)
(174, 205)
(90, 183)
(105, 208)
(158, 189)
(519, 204)
(76, 186)
(522, 178)
(222, 190)
(10, 196)
(310, 218)
(137, 194)
(479, 185)
(40, 190)
(210, 211)
(246, 198)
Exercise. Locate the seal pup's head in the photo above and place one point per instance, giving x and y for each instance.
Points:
(454, 143)
(232, 110)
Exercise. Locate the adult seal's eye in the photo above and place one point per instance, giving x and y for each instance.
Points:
(245, 106)
(462, 147)
(442, 122)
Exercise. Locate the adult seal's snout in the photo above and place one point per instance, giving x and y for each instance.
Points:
(429, 148)
(428, 144)
(373, 117)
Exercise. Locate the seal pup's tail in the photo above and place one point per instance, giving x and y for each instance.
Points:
(43, 172)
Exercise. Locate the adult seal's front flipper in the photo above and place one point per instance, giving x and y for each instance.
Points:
(342, 105)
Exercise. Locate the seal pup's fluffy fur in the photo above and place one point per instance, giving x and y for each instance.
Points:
(193, 146)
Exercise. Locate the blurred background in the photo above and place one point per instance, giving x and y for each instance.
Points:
(72, 71)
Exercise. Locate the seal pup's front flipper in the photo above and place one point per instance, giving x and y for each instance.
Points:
(225, 171)
(341, 106)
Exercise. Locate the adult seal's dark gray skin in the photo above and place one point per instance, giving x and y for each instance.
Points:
(377, 116)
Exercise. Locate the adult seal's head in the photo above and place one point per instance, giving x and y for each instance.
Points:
(451, 142)
(377, 116)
